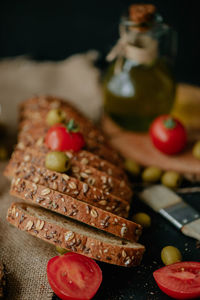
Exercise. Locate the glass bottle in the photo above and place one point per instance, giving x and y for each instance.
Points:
(139, 84)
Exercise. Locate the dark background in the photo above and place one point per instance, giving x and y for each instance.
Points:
(53, 30)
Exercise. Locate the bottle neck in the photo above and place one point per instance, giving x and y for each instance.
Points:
(138, 42)
(138, 46)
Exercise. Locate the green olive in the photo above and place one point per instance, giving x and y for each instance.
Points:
(142, 219)
(132, 167)
(151, 174)
(61, 250)
(171, 179)
(3, 153)
(170, 255)
(57, 161)
(55, 116)
(196, 150)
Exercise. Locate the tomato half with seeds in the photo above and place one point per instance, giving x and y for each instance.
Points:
(168, 134)
(73, 276)
(180, 280)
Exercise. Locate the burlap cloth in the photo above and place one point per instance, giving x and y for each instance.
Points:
(25, 257)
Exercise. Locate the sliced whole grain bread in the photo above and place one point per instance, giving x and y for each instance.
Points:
(68, 185)
(69, 234)
(84, 157)
(82, 172)
(75, 209)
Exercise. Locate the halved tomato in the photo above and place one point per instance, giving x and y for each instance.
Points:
(180, 280)
(73, 276)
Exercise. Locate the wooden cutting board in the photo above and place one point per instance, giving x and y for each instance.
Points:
(138, 146)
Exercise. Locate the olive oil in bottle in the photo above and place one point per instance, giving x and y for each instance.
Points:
(139, 85)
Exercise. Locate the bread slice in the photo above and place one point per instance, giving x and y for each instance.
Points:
(76, 209)
(84, 157)
(63, 232)
(69, 186)
(83, 172)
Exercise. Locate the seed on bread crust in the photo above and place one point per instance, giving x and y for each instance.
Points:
(39, 142)
(84, 175)
(36, 179)
(29, 225)
(54, 186)
(39, 225)
(20, 146)
(85, 188)
(69, 236)
(84, 161)
(72, 185)
(123, 230)
(124, 253)
(34, 187)
(65, 177)
(17, 181)
(27, 158)
(103, 202)
(45, 192)
(94, 213)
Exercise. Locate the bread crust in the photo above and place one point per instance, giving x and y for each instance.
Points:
(84, 244)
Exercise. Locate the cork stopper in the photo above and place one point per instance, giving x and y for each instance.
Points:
(141, 13)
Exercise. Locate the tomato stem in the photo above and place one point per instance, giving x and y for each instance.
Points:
(169, 123)
(72, 127)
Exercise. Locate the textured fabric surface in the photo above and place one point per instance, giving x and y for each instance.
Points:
(75, 79)
(25, 257)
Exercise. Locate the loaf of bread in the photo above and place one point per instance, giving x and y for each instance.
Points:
(74, 236)
(83, 209)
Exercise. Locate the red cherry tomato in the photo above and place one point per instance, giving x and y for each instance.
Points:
(73, 276)
(58, 138)
(180, 280)
(168, 134)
